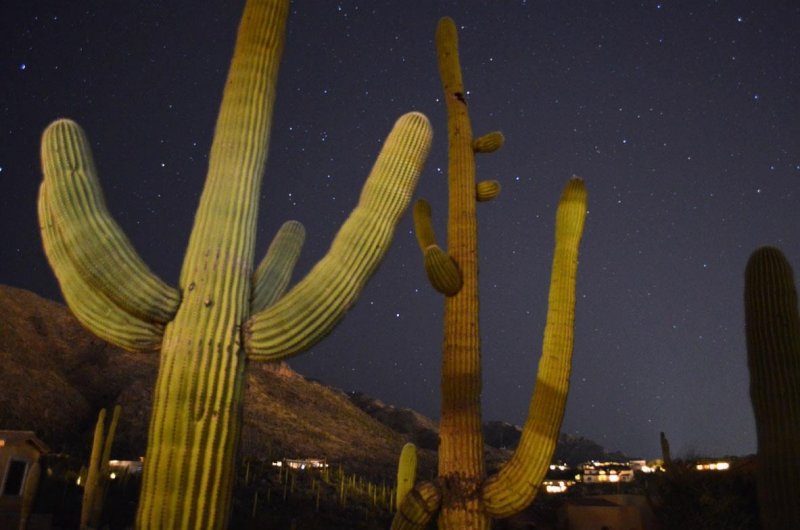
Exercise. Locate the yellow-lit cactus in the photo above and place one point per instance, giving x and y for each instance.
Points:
(442, 271)
(487, 190)
(462, 497)
(223, 312)
(406, 472)
(489, 142)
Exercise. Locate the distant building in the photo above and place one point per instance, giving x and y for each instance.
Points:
(604, 472)
(19, 472)
(712, 465)
(302, 463)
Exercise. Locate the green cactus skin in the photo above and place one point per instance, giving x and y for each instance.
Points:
(773, 355)
(91, 307)
(97, 476)
(468, 499)
(95, 243)
(275, 270)
(201, 329)
(312, 308)
(406, 472)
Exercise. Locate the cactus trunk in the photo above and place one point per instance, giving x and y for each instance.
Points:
(773, 357)
(461, 467)
(194, 427)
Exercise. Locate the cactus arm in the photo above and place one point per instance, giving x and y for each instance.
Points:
(489, 142)
(91, 307)
(196, 419)
(487, 190)
(275, 270)
(517, 483)
(772, 326)
(98, 248)
(419, 507)
(406, 472)
(442, 271)
(311, 309)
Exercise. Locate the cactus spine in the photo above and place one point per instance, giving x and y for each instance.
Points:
(220, 316)
(773, 356)
(97, 476)
(462, 495)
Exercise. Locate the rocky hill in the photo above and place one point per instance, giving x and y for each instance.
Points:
(56, 376)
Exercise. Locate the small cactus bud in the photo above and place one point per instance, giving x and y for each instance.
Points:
(489, 143)
(486, 190)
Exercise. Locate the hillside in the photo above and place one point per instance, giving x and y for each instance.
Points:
(56, 376)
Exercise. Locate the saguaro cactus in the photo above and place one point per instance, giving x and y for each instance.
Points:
(97, 475)
(462, 496)
(773, 357)
(406, 471)
(222, 313)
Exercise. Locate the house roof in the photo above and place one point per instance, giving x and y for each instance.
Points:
(28, 437)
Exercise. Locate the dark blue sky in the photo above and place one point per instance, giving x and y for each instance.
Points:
(682, 117)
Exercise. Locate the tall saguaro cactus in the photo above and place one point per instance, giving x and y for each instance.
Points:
(223, 313)
(773, 356)
(462, 496)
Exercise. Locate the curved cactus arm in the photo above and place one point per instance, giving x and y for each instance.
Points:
(98, 248)
(311, 309)
(91, 307)
(275, 270)
(488, 143)
(442, 270)
(419, 507)
(772, 326)
(517, 483)
(487, 190)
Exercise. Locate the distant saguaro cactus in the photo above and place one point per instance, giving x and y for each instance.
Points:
(666, 454)
(773, 356)
(223, 313)
(97, 476)
(462, 496)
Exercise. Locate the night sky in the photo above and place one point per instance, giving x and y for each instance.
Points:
(682, 117)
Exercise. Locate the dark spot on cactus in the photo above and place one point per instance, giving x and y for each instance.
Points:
(191, 286)
(208, 302)
(460, 97)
